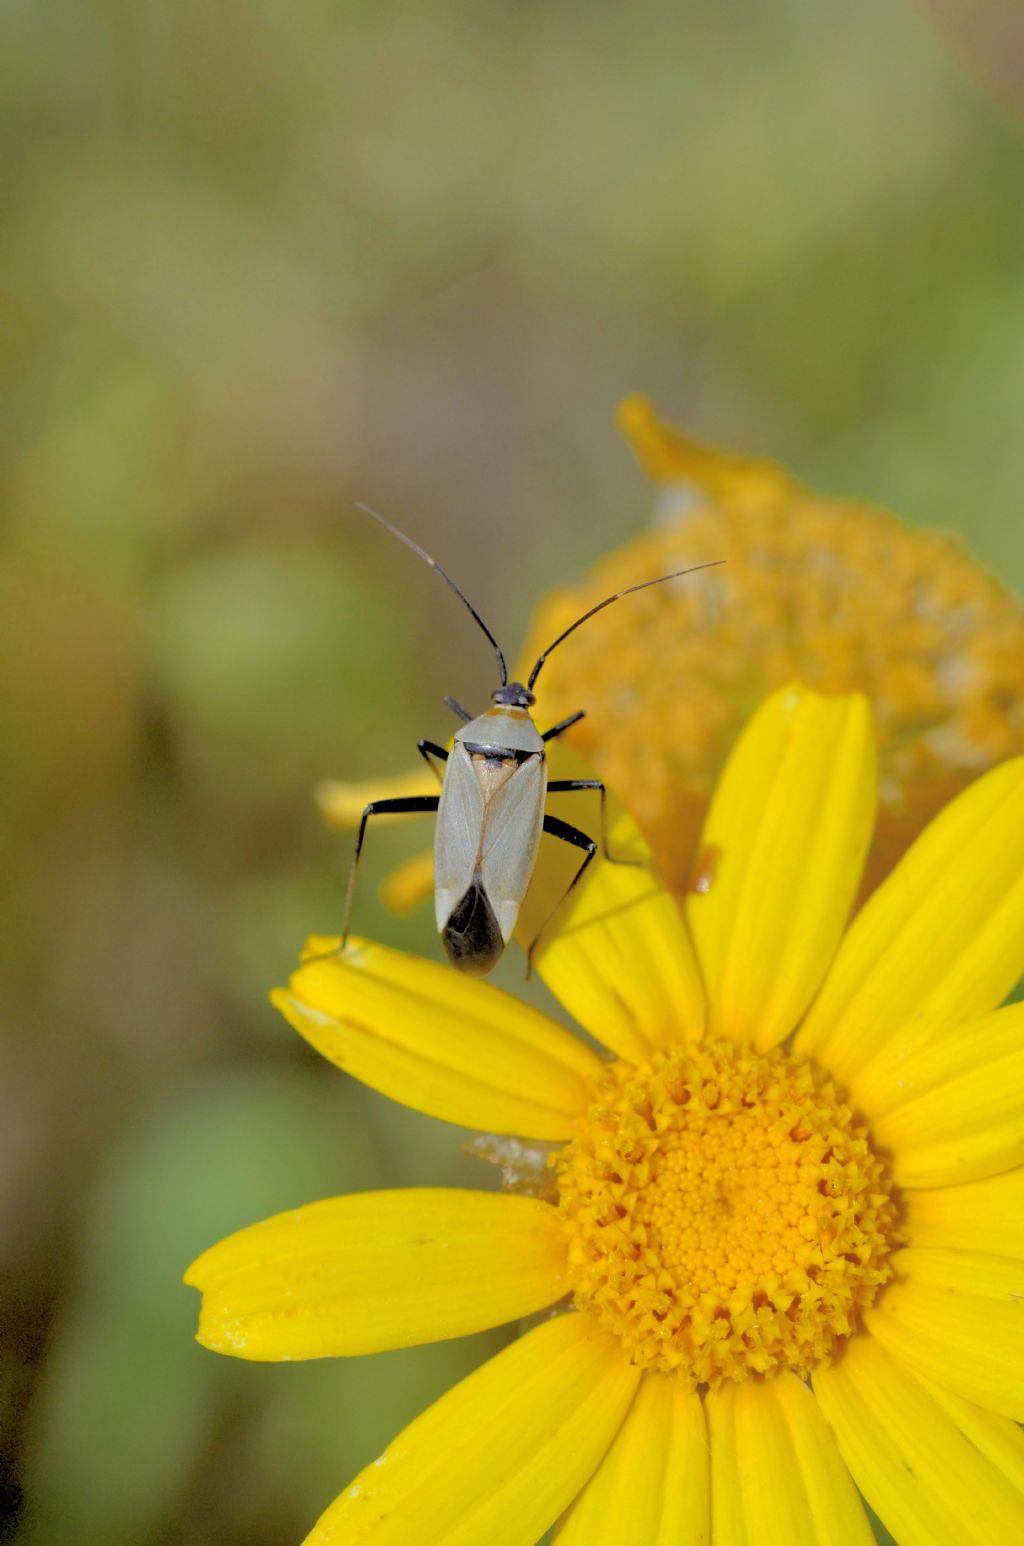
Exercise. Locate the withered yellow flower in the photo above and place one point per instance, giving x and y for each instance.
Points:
(837, 594)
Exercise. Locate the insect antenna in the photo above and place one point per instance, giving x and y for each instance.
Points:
(712, 564)
(448, 581)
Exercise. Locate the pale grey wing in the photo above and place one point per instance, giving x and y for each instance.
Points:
(460, 816)
(515, 817)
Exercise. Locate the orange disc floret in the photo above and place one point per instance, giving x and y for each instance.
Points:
(726, 1213)
(839, 595)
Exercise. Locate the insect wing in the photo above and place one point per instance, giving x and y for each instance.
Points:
(460, 817)
(513, 821)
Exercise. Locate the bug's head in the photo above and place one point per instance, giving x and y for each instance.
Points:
(514, 695)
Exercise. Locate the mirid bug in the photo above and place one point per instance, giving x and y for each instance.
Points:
(490, 811)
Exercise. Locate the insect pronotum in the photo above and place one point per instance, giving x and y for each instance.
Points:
(490, 811)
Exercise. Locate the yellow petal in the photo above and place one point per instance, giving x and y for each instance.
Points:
(727, 1509)
(617, 955)
(674, 459)
(998, 1438)
(380, 1270)
(776, 1472)
(652, 1485)
(501, 1455)
(951, 1112)
(936, 1470)
(342, 804)
(940, 942)
(409, 884)
(957, 1318)
(785, 837)
(438, 1041)
(986, 1216)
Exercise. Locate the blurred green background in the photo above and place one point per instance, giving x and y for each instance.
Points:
(259, 261)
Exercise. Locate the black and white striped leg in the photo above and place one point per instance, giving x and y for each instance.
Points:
(573, 786)
(578, 839)
(401, 805)
(563, 724)
(456, 708)
(429, 749)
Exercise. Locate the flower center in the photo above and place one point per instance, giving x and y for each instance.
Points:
(726, 1212)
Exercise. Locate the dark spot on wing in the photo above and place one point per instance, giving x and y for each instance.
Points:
(471, 936)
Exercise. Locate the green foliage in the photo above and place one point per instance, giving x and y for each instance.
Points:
(130, 1401)
(261, 646)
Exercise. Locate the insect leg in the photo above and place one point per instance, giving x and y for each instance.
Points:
(428, 749)
(563, 724)
(456, 708)
(572, 786)
(578, 839)
(406, 804)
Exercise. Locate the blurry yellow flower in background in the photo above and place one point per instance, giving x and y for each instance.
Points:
(783, 1221)
(836, 594)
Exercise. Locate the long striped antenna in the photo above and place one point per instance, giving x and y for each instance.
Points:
(448, 581)
(712, 564)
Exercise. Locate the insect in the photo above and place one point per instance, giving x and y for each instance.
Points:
(490, 811)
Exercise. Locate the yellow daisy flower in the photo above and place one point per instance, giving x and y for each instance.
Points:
(834, 592)
(782, 1235)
